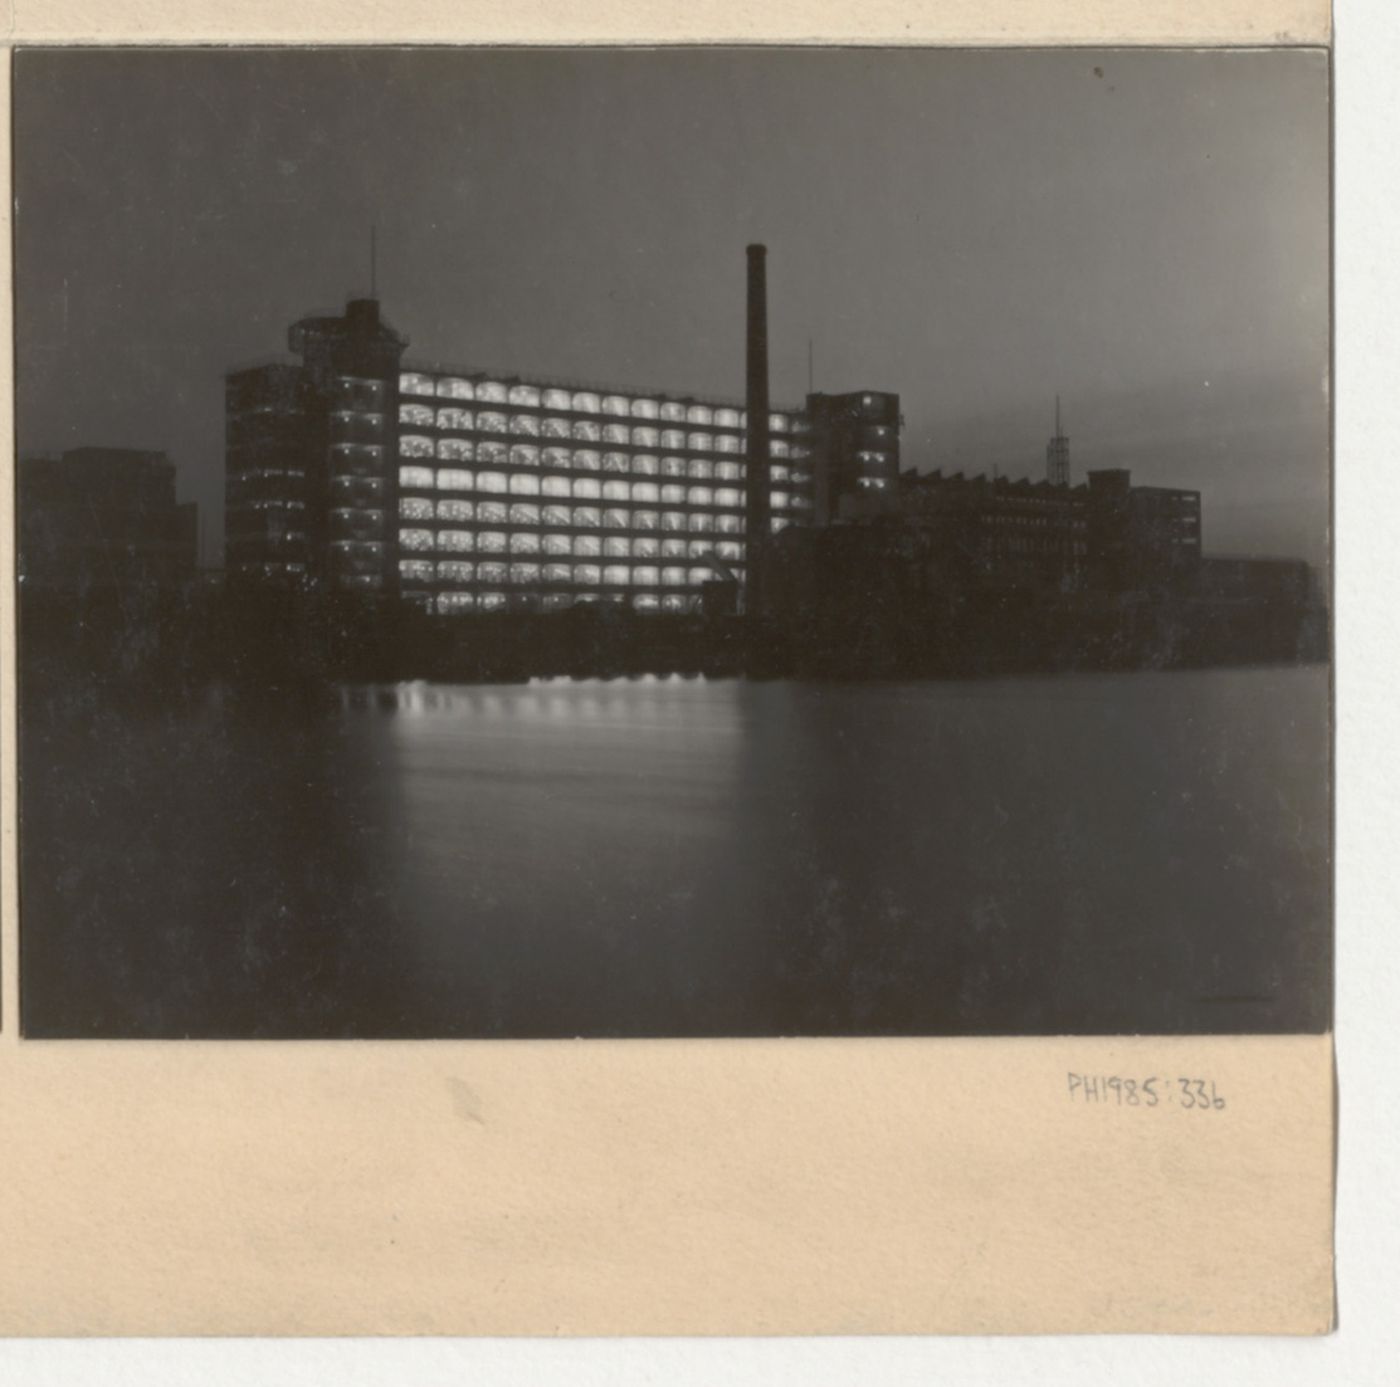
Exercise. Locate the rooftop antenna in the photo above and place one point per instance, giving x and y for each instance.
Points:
(1057, 454)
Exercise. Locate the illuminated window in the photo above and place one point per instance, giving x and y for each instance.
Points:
(672, 467)
(616, 433)
(558, 544)
(527, 424)
(698, 576)
(729, 551)
(778, 473)
(556, 486)
(673, 549)
(587, 575)
(416, 570)
(491, 452)
(455, 571)
(617, 575)
(491, 512)
(587, 488)
(646, 602)
(727, 443)
(699, 414)
(644, 548)
(645, 491)
(645, 465)
(616, 520)
(702, 524)
(798, 452)
(727, 418)
(673, 577)
(526, 542)
(454, 450)
(779, 523)
(615, 462)
(673, 410)
(524, 484)
(645, 520)
(557, 515)
(558, 573)
(587, 546)
(729, 525)
(586, 517)
(777, 448)
(491, 421)
(645, 409)
(699, 442)
(801, 503)
(415, 414)
(411, 383)
(617, 404)
(586, 460)
(672, 438)
(780, 500)
(729, 472)
(673, 520)
(555, 458)
(524, 395)
(415, 476)
(673, 495)
(524, 513)
(585, 402)
(491, 481)
(645, 437)
(492, 601)
(454, 603)
(557, 399)
(454, 510)
(454, 388)
(414, 445)
(454, 479)
(701, 468)
(616, 547)
(614, 490)
(492, 572)
(454, 419)
(556, 428)
(455, 541)
(728, 496)
(525, 455)
(415, 508)
(491, 542)
(675, 603)
(524, 573)
(492, 391)
(699, 548)
(415, 541)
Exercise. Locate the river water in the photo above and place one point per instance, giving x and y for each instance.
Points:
(1130, 852)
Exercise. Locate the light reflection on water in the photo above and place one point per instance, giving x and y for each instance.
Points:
(680, 856)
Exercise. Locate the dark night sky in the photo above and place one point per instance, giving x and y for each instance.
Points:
(1145, 233)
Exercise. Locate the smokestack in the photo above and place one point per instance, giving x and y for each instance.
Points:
(756, 499)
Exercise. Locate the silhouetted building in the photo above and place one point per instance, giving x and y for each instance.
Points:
(993, 531)
(103, 519)
(468, 490)
(856, 451)
(1139, 538)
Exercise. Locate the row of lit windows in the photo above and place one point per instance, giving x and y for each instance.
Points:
(567, 546)
(584, 575)
(580, 430)
(589, 489)
(583, 460)
(590, 518)
(579, 401)
(416, 445)
(457, 603)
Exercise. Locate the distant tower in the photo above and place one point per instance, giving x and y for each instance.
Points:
(1057, 454)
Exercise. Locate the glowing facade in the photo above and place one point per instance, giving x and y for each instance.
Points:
(468, 491)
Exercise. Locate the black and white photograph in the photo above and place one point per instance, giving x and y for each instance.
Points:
(706, 542)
